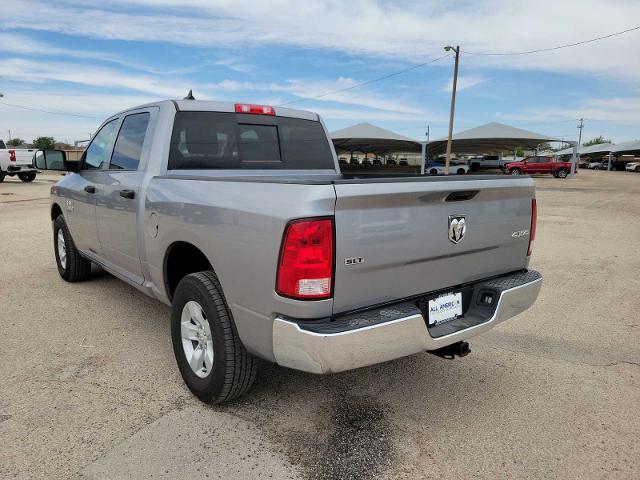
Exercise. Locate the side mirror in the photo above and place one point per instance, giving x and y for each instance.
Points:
(54, 160)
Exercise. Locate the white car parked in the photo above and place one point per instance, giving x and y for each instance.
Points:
(594, 165)
(633, 167)
(438, 169)
(14, 161)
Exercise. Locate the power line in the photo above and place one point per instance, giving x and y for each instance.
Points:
(366, 82)
(553, 122)
(34, 109)
(557, 47)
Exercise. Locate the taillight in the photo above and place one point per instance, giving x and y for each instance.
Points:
(12, 155)
(256, 109)
(305, 268)
(534, 221)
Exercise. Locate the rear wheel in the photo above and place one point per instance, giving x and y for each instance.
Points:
(562, 173)
(2, 175)
(212, 360)
(433, 171)
(27, 177)
(515, 171)
(460, 171)
(637, 170)
(71, 265)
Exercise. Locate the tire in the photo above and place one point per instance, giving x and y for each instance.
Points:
(231, 370)
(433, 171)
(72, 267)
(475, 167)
(27, 177)
(2, 175)
(562, 173)
(460, 171)
(637, 170)
(515, 171)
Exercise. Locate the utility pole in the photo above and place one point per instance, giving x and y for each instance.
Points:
(453, 106)
(9, 130)
(423, 159)
(580, 126)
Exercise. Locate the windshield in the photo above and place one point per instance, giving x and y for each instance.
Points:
(214, 140)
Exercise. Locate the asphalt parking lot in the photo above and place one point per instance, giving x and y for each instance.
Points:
(90, 387)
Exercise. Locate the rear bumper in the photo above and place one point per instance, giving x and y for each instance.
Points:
(20, 169)
(396, 331)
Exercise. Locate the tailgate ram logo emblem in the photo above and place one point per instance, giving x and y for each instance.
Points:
(457, 228)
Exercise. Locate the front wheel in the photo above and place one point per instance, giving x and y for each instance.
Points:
(562, 173)
(212, 360)
(2, 175)
(460, 171)
(72, 266)
(27, 177)
(637, 170)
(515, 171)
(433, 171)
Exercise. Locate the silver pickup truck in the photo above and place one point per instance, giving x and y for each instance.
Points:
(238, 217)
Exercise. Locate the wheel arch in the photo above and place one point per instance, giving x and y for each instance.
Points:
(182, 258)
(56, 211)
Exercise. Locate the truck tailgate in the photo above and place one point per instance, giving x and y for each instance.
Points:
(392, 237)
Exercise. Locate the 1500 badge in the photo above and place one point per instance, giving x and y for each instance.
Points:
(520, 233)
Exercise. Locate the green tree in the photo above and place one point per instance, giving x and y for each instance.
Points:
(44, 143)
(596, 141)
(16, 142)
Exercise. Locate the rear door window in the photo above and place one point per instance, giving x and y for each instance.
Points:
(215, 140)
(128, 147)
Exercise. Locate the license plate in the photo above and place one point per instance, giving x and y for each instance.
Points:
(445, 307)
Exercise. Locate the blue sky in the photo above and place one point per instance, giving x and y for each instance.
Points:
(86, 59)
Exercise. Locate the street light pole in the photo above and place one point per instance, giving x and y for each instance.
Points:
(453, 106)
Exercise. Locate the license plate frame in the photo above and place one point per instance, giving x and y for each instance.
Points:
(444, 308)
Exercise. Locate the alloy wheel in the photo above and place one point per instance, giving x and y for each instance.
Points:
(197, 341)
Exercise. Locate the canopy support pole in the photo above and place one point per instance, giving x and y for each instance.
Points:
(574, 161)
(423, 158)
(609, 163)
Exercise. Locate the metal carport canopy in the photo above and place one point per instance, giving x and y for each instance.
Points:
(366, 138)
(489, 138)
(600, 148)
(627, 148)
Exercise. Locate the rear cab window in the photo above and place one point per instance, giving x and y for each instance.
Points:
(216, 140)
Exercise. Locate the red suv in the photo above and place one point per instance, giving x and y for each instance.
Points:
(539, 164)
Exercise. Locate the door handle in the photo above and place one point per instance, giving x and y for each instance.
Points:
(127, 193)
(90, 189)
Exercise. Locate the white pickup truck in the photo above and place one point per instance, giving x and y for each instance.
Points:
(17, 162)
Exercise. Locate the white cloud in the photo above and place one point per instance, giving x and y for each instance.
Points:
(622, 110)
(43, 71)
(307, 89)
(235, 64)
(464, 82)
(367, 115)
(416, 30)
